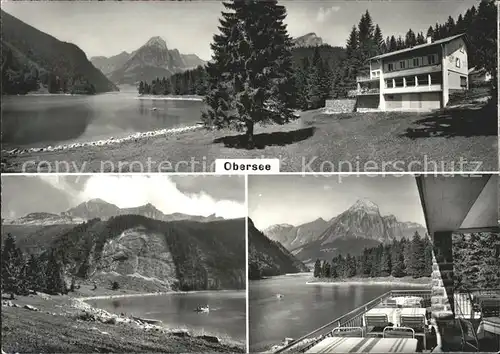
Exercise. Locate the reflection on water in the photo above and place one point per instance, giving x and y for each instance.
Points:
(227, 316)
(303, 308)
(36, 121)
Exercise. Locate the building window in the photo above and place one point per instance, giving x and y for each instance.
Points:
(402, 64)
(431, 59)
(415, 62)
(458, 63)
(390, 66)
(463, 82)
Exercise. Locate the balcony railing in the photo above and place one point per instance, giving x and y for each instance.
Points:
(428, 69)
(365, 77)
(364, 91)
(352, 319)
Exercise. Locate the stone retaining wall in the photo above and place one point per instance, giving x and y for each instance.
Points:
(340, 106)
(442, 275)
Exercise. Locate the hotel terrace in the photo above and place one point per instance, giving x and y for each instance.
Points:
(419, 78)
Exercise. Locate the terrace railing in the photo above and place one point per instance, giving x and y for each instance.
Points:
(465, 301)
(351, 319)
(363, 91)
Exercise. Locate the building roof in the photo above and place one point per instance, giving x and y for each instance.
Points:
(420, 46)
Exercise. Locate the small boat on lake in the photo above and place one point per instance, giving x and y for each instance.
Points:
(279, 296)
(205, 308)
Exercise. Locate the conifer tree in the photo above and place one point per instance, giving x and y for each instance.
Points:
(251, 77)
(13, 267)
(55, 275)
(35, 274)
(317, 268)
(379, 41)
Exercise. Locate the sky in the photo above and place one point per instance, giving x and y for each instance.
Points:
(106, 28)
(194, 195)
(294, 199)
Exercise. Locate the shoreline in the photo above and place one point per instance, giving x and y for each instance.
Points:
(422, 282)
(143, 323)
(160, 293)
(103, 142)
(88, 329)
(169, 98)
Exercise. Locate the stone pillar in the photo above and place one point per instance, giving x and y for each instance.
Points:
(416, 80)
(442, 299)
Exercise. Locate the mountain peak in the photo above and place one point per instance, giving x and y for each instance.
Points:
(156, 41)
(366, 205)
(96, 201)
(308, 40)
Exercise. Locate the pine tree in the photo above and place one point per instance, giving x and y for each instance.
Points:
(35, 274)
(427, 257)
(302, 100)
(430, 32)
(317, 268)
(410, 39)
(393, 44)
(367, 45)
(350, 65)
(55, 275)
(485, 37)
(385, 264)
(13, 267)
(420, 38)
(141, 88)
(326, 270)
(417, 257)
(251, 79)
(379, 41)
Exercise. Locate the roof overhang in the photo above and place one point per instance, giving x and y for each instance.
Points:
(459, 203)
(426, 45)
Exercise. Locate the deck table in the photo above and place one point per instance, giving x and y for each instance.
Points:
(490, 325)
(365, 345)
(409, 301)
(377, 311)
(413, 311)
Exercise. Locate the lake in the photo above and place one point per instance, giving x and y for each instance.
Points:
(226, 319)
(40, 121)
(303, 308)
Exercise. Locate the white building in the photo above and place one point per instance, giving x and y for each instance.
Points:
(417, 78)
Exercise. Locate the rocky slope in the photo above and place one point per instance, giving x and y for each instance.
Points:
(358, 227)
(308, 40)
(269, 258)
(108, 65)
(31, 58)
(144, 254)
(294, 236)
(152, 60)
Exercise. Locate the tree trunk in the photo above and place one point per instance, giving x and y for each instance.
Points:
(249, 134)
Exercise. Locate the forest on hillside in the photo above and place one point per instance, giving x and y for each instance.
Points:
(398, 259)
(476, 260)
(32, 60)
(330, 72)
(205, 255)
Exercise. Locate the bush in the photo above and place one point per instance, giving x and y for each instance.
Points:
(115, 285)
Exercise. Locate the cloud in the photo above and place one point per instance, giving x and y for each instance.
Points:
(325, 12)
(161, 191)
